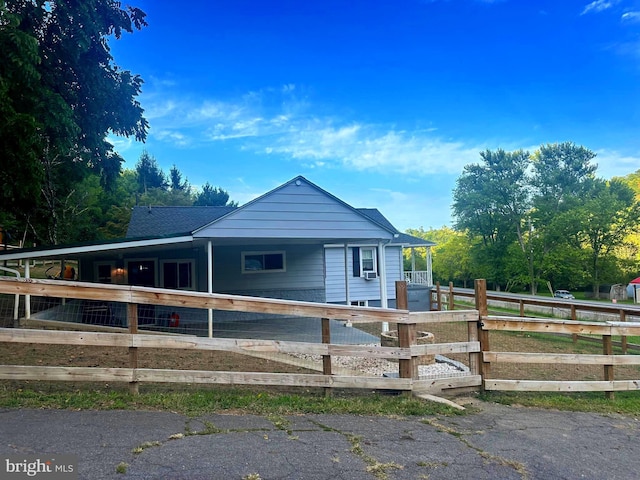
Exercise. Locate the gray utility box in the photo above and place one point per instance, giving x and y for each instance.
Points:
(419, 297)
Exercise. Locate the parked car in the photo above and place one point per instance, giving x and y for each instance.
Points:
(563, 294)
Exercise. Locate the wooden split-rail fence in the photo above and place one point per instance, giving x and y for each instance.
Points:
(479, 324)
(405, 353)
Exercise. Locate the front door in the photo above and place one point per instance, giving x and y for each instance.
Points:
(142, 273)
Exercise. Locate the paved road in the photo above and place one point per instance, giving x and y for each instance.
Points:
(560, 302)
(496, 442)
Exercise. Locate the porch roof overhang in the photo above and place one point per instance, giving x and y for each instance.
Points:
(89, 249)
(150, 244)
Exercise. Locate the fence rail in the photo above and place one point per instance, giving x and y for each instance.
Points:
(607, 360)
(481, 332)
(615, 310)
(554, 327)
(406, 353)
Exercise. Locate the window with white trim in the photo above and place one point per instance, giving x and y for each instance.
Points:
(178, 274)
(365, 259)
(360, 303)
(263, 262)
(368, 259)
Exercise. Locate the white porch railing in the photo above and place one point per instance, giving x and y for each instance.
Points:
(419, 277)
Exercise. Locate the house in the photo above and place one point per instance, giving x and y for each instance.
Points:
(296, 242)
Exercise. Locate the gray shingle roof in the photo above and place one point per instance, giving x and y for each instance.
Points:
(403, 238)
(170, 221)
(375, 215)
(167, 221)
(411, 241)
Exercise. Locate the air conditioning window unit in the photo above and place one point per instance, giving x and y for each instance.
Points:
(370, 275)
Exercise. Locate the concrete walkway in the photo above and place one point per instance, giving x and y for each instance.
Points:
(193, 321)
(496, 442)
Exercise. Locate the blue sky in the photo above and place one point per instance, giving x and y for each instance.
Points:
(380, 102)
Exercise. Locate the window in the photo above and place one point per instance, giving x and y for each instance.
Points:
(259, 262)
(178, 274)
(104, 272)
(365, 259)
(368, 259)
(360, 303)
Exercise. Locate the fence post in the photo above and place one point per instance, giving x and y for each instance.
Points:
(438, 296)
(574, 317)
(402, 296)
(451, 302)
(607, 348)
(521, 308)
(407, 334)
(132, 321)
(326, 359)
(483, 335)
(623, 339)
(474, 357)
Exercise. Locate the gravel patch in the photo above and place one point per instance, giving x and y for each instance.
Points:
(380, 366)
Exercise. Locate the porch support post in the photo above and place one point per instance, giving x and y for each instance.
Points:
(347, 300)
(210, 285)
(27, 298)
(382, 269)
(413, 264)
(346, 274)
(429, 269)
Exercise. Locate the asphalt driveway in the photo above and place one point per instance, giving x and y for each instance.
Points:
(495, 442)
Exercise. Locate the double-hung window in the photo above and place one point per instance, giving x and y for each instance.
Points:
(365, 259)
(368, 259)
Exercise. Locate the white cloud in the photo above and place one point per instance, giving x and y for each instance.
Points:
(175, 137)
(612, 163)
(275, 122)
(598, 6)
(120, 144)
(159, 109)
(631, 17)
(372, 148)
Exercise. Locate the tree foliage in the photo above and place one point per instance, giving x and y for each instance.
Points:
(451, 255)
(149, 174)
(62, 95)
(545, 217)
(490, 201)
(213, 197)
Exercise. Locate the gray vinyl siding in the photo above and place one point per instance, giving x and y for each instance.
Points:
(303, 264)
(359, 288)
(295, 211)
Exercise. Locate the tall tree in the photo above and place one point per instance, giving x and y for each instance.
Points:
(213, 197)
(561, 175)
(175, 180)
(629, 254)
(20, 143)
(601, 223)
(490, 200)
(150, 175)
(64, 95)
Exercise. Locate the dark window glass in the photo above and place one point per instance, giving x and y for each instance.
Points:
(104, 273)
(273, 261)
(170, 275)
(184, 275)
